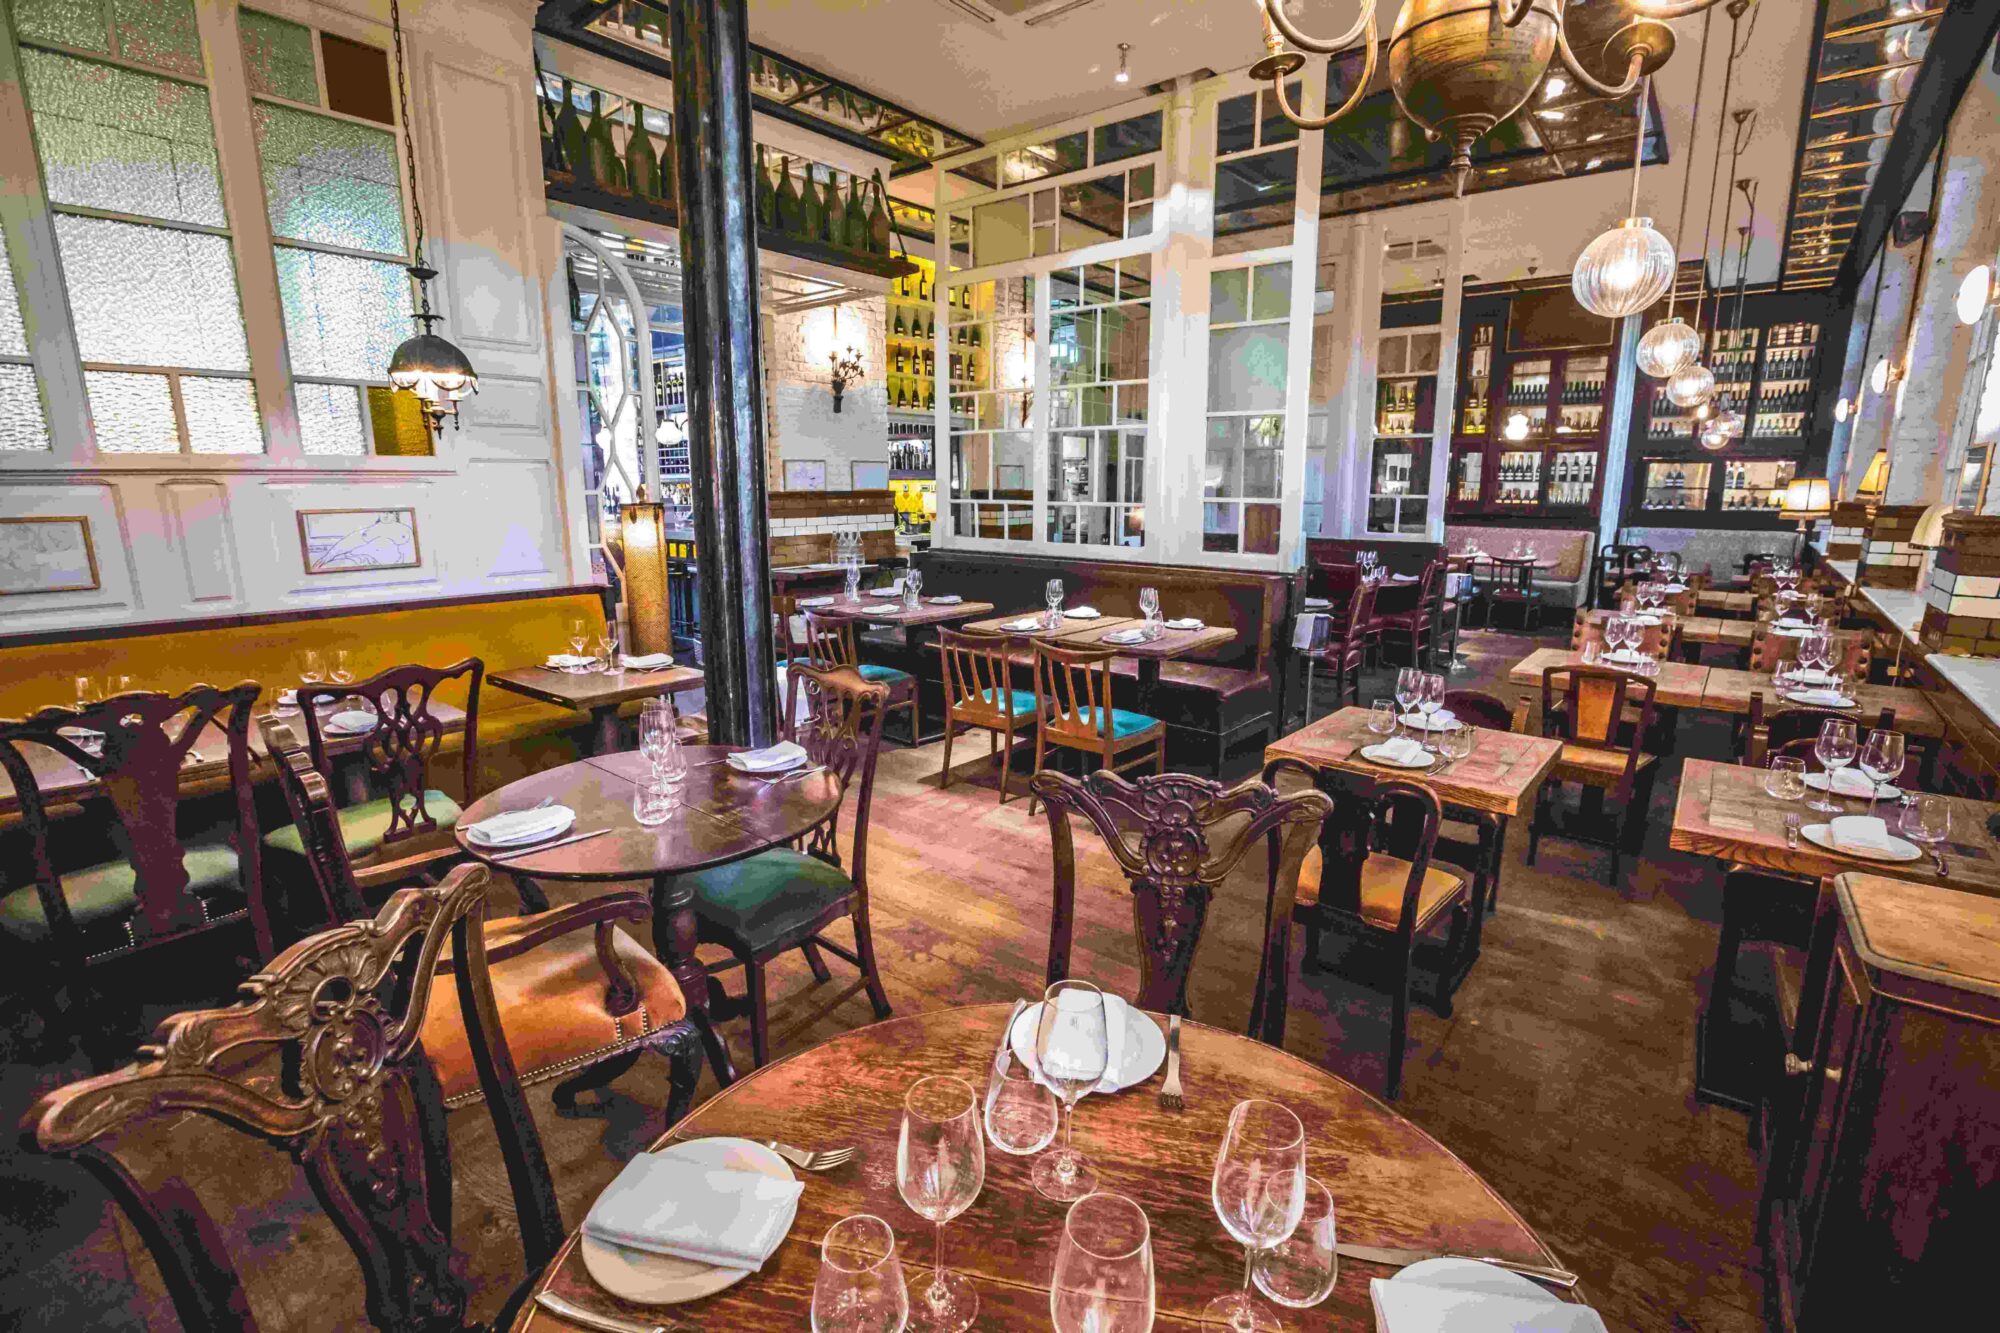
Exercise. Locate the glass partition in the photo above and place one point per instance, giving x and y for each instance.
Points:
(1100, 356)
(992, 374)
(1249, 351)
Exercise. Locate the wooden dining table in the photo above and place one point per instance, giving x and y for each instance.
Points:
(1147, 654)
(722, 816)
(1728, 691)
(1714, 629)
(598, 693)
(1679, 684)
(1392, 1184)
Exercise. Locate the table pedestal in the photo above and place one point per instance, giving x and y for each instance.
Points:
(674, 939)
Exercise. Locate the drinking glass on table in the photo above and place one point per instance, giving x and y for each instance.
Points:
(1835, 750)
(1382, 717)
(86, 692)
(859, 1288)
(1300, 1270)
(1409, 689)
(1072, 1050)
(1021, 1114)
(913, 586)
(1430, 698)
(1149, 607)
(579, 635)
(1927, 820)
(312, 667)
(940, 1169)
(1457, 741)
(607, 648)
(656, 732)
(1104, 1268)
(1259, 1192)
(1785, 779)
(853, 580)
(1881, 761)
(1052, 597)
(341, 669)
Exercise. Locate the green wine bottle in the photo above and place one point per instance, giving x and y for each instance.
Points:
(669, 189)
(600, 150)
(789, 205)
(569, 134)
(767, 198)
(812, 212)
(642, 161)
(856, 238)
(878, 220)
(899, 329)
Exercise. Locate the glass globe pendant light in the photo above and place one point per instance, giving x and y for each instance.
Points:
(1692, 386)
(1670, 346)
(1631, 266)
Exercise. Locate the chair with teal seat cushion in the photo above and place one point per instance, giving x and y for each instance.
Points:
(830, 644)
(59, 926)
(362, 826)
(876, 673)
(1123, 724)
(769, 904)
(1073, 697)
(979, 692)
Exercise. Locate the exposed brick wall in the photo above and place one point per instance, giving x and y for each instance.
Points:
(1962, 604)
(1888, 560)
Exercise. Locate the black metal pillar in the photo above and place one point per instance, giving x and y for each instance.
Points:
(718, 215)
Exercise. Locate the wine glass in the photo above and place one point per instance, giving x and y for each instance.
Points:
(1458, 740)
(940, 1169)
(312, 667)
(579, 635)
(1149, 607)
(1382, 717)
(1409, 689)
(1430, 698)
(1259, 1193)
(1785, 779)
(607, 648)
(1072, 1050)
(1300, 1270)
(656, 732)
(1104, 1268)
(853, 581)
(913, 587)
(1881, 761)
(859, 1288)
(1927, 820)
(1835, 751)
(1052, 596)
(86, 692)
(1022, 1115)
(341, 671)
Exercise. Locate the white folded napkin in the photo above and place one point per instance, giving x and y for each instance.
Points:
(1083, 613)
(1643, 620)
(1673, 587)
(1791, 631)
(949, 599)
(1406, 1306)
(785, 754)
(1625, 655)
(562, 661)
(1398, 750)
(1846, 782)
(1185, 622)
(1858, 833)
(816, 601)
(1439, 720)
(521, 825)
(1404, 578)
(1813, 676)
(1024, 623)
(882, 609)
(1303, 631)
(1821, 698)
(1319, 604)
(895, 589)
(1136, 634)
(664, 1204)
(646, 661)
(1790, 622)
(352, 722)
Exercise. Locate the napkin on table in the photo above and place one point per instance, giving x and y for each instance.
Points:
(664, 1204)
(513, 824)
(645, 661)
(1083, 613)
(1848, 782)
(816, 601)
(1185, 622)
(1858, 833)
(882, 609)
(782, 755)
(1024, 623)
(1400, 750)
(1821, 698)
(949, 599)
(569, 660)
(1404, 578)
(1403, 1305)
(1132, 635)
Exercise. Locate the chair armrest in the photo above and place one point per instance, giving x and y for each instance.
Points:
(600, 912)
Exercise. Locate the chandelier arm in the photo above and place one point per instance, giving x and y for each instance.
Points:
(1353, 98)
(1634, 71)
(1520, 11)
(1274, 13)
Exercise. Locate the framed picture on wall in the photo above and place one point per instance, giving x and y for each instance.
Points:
(340, 541)
(870, 476)
(805, 474)
(46, 554)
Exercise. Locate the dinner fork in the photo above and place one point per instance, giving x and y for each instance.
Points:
(1170, 1091)
(799, 773)
(818, 1159)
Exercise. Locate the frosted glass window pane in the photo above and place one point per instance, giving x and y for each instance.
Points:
(159, 33)
(1271, 295)
(278, 57)
(1246, 368)
(21, 425)
(78, 23)
(221, 416)
(1229, 296)
(343, 316)
(111, 138)
(134, 414)
(148, 296)
(330, 419)
(330, 181)
(13, 337)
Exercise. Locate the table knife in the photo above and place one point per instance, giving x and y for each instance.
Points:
(1376, 1254)
(1000, 1052)
(547, 846)
(603, 1323)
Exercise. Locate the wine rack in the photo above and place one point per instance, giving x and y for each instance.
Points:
(1527, 396)
(1474, 413)
(1467, 465)
(1785, 385)
(1396, 407)
(1528, 425)
(1572, 477)
(1675, 484)
(1580, 405)
(1518, 480)
(1733, 357)
(1753, 484)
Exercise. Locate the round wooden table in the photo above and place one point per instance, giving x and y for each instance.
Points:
(1393, 1185)
(723, 815)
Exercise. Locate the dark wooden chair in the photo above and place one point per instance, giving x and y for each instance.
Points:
(63, 928)
(769, 904)
(1482, 852)
(404, 835)
(1417, 625)
(1372, 878)
(1512, 583)
(1852, 651)
(830, 645)
(1175, 839)
(1661, 642)
(1616, 563)
(979, 692)
(1603, 754)
(1345, 651)
(586, 1004)
(1073, 702)
(320, 1062)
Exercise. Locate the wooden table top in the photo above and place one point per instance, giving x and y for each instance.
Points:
(585, 690)
(1723, 811)
(1172, 643)
(928, 612)
(1392, 1183)
(1713, 629)
(1729, 690)
(1678, 685)
(722, 816)
(1709, 599)
(998, 625)
(1500, 776)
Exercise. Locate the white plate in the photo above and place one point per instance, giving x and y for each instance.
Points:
(1369, 752)
(1798, 697)
(1145, 1048)
(354, 722)
(949, 599)
(1084, 613)
(661, 1279)
(815, 601)
(790, 762)
(1901, 851)
(1471, 1275)
(882, 609)
(1817, 781)
(1813, 677)
(1186, 622)
(1022, 625)
(560, 819)
(1442, 720)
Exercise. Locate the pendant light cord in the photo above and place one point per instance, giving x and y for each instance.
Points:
(1687, 177)
(410, 158)
(1639, 144)
(1737, 45)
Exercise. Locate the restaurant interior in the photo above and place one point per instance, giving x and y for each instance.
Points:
(1337, 644)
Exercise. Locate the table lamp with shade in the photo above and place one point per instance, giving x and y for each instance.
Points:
(1876, 479)
(643, 526)
(1806, 499)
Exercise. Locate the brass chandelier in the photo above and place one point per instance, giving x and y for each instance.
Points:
(1460, 67)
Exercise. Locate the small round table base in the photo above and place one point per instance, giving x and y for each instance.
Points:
(1240, 1312)
(947, 1305)
(1063, 1175)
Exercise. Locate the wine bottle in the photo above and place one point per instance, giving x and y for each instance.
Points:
(569, 135)
(642, 160)
(878, 225)
(856, 238)
(788, 205)
(600, 152)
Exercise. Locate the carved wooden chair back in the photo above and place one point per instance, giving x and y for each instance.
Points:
(837, 717)
(1657, 642)
(1592, 713)
(1369, 814)
(146, 738)
(1852, 652)
(320, 1059)
(1176, 838)
(1794, 731)
(829, 642)
(310, 801)
(406, 737)
(978, 681)
(1073, 695)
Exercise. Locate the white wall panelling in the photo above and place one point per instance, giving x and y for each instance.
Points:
(100, 502)
(197, 512)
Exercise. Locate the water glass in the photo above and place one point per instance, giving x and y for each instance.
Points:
(1149, 607)
(1022, 1115)
(1104, 1268)
(1258, 1190)
(913, 587)
(1457, 742)
(940, 1169)
(1593, 651)
(1072, 1052)
(652, 800)
(1052, 596)
(859, 1288)
(1300, 1270)
(1881, 761)
(1785, 779)
(1928, 820)
(1382, 717)
(1835, 750)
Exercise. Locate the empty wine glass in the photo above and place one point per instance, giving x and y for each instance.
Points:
(1835, 751)
(1104, 1268)
(1259, 1193)
(1409, 689)
(1927, 820)
(312, 667)
(940, 1169)
(86, 692)
(340, 669)
(853, 581)
(859, 1288)
(1149, 607)
(1785, 779)
(1071, 1052)
(913, 587)
(656, 732)
(1431, 700)
(1881, 761)
(1300, 1270)
(579, 635)
(1022, 1115)
(1052, 596)
(607, 647)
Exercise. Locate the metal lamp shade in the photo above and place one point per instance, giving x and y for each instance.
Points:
(1807, 498)
(1458, 71)
(1624, 271)
(432, 368)
(1876, 479)
(643, 525)
(1669, 347)
(1692, 387)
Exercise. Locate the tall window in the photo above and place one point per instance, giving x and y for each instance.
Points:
(22, 426)
(324, 113)
(123, 129)
(1249, 341)
(1100, 342)
(991, 369)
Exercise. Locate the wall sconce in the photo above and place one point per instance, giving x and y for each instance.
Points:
(846, 369)
(1517, 426)
(1841, 410)
(1976, 293)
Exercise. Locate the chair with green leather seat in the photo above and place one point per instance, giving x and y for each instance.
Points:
(978, 692)
(830, 645)
(406, 835)
(767, 905)
(63, 926)
(1073, 703)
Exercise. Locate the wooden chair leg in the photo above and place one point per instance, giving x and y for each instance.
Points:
(1041, 748)
(816, 961)
(1006, 763)
(1160, 756)
(864, 949)
(944, 774)
(1399, 1033)
(760, 1014)
(593, 1076)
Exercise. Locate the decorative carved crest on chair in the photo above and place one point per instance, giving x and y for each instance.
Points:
(843, 731)
(406, 737)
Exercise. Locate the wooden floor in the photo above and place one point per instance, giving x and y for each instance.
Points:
(1563, 1078)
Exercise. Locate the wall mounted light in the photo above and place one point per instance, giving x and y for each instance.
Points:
(1878, 378)
(846, 369)
(1875, 480)
(1124, 74)
(1976, 293)
(1841, 411)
